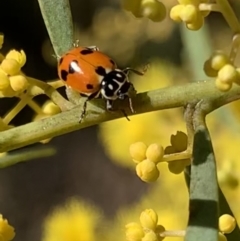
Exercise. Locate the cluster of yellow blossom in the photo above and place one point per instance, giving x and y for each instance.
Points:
(152, 9)
(188, 11)
(147, 159)
(12, 81)
(226, 224)
(220, 66)
(147, 230)
(6, 231)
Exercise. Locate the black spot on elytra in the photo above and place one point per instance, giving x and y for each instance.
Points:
(86, 51)
(64, 75)
(71, 70)
(100, 71)
(89, 86)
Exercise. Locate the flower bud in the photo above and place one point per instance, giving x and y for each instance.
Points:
(20, 57)
(153, 9)
(50, 108)
(189, 13)
(147, 171)
(218, 60)
(10, 66)
(150, 236)
(227, 223)
(209, 71)
(138, 151)
(221, 237)
(155, 153)
(197, 24)
(175, 12)
(222, 85)
(134, 232)
(4, 80)
(149, 219)
(228, 74)
(18, 83)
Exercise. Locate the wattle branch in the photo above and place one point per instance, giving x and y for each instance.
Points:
(166, 98)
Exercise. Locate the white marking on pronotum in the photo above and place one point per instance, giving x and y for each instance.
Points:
(110, 87)
(118, 75)
(76, 68)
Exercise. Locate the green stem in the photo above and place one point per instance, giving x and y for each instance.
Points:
(234, 48)
(68, 121)
(15, 110)
(209, 7)
(229, 15)
(176, 156)
(35, 107)
(25, 155)
(39, 87)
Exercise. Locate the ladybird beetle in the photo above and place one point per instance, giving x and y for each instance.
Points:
(94, 75)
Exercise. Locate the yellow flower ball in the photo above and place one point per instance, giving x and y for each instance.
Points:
(10, 66)
(222, 85)
(6, 231)
(227, 223)
(228, 74)
(175, 12)
(221, 237)
(196, 25)
(19, 83)
(138, 151)
(8, 92)
(155, 153)
(150, 236)
(134, 232)
(218, 60)
(208, 70)
(147, 171)
(149, 219)
(153, 9)
(189, 13)
(50, 108)
(4, 80)
(20, 57)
